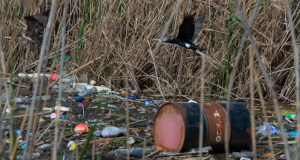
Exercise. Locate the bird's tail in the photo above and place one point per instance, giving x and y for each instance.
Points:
(196, 53)
(201, 49)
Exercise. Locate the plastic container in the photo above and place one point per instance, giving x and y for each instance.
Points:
(112, 131)
(135, 152)
(239, 155)
(176, 127)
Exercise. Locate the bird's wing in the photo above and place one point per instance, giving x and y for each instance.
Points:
(198, 25)
(34, 27)
(186, 29)
(42, 17)
(31, 25)
(31, 22)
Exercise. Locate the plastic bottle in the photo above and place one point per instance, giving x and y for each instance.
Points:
(131, 97)
(43, 98)
(290, 115)
(88, 92)
(111, 96)
(67, 80)
(79, 87)
(129, 89)
(34, 155)
(3, 97)
(206, 148)
(134, 152)
(261, 135)
(78, 99)
(239, 155)
(43, 147)
(112, 131)
(23, 100)
(23, 75)
(63, 99)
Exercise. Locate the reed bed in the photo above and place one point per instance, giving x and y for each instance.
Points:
(120, 33)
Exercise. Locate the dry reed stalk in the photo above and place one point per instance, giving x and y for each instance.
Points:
(251, 66)
(201, 107)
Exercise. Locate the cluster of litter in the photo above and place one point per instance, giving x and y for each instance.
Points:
(91, 115)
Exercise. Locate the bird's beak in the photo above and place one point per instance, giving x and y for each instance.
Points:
(156, 40)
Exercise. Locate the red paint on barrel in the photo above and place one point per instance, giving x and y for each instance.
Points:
(170, 126)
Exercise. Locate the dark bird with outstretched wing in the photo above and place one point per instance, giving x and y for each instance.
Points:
(188, 32)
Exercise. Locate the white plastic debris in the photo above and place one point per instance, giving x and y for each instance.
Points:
(191, 101)
(111, 132)
(70, 143)
(62, 108)
(23, 75)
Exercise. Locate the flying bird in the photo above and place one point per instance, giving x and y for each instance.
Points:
(35, 26)
(188, 32)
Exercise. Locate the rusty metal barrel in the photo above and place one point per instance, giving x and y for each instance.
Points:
(176, 126)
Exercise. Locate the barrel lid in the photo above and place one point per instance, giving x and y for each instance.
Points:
(169, 128)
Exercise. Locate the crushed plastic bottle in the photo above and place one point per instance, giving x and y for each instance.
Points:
(262, 133)
(43, 147)
(112, 131)
(239, 155)
(134, 152)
